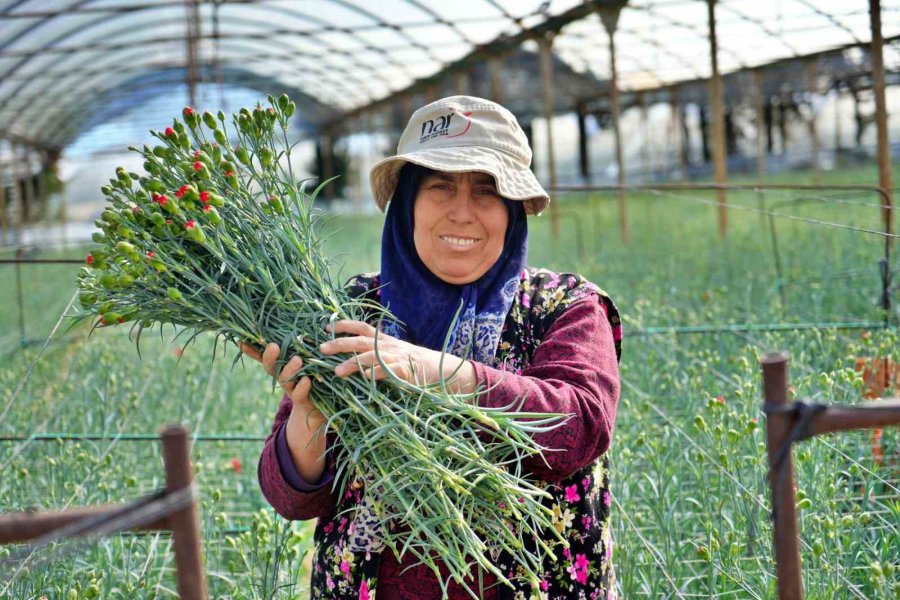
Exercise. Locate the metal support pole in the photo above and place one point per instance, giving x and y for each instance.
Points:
(4, 217)
(885, 180)
(186, 522)
(27, 188)
(431, 93)
(760, 123)
(781, 478)
(326, 143)
(584, 160)
(676, 141)
(720, 168)
(495, 67)
(192, 34)
(547, 79)
(609, 15)
(838, 134)
(813, 89)
(645, 137)
(461, 83)
(23, 340)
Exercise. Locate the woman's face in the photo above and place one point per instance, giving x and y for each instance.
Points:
(460, 224)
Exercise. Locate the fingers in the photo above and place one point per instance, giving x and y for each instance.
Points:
(250, 351)
(300, 392)
(349, 344)
(353, 327)
(269, 356)
(289, 370)
(369, 365)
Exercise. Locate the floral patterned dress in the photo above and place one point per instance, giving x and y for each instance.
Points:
(347, 558)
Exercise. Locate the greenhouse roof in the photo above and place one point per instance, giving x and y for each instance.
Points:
(66, 66)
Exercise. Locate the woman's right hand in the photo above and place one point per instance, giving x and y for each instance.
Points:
(305, 437)
(297, 390)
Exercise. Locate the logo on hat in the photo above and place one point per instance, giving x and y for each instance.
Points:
(440, 126)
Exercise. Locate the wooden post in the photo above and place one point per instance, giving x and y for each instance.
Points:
(584, 161)
(609, 15)
(186, 522)
(813, 89)
(778, 428)
(885, 179)
(495, 67)
(720, 168)
(547, 80)
(431, 93)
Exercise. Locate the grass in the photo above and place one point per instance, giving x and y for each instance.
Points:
(689, 487)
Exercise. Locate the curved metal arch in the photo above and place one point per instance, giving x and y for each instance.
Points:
(65, 134)
(399, 29)
(52, 120)
(772, 34)
(698, 31)
(105, 19)
(64, 82)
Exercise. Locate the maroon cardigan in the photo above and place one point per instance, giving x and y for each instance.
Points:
(572, 369)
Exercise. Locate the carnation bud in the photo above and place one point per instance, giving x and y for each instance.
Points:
(173, 294)
(110, 216)
(210, 120)
(212, 214)
(99, 237)
(289, 111)
(184, 141)
(220, 137)
(283, 102)
(265, 157)
(106, 190)
(242, 155)
(276, 204)
(170, 133)
(123, 176)
(161, 151)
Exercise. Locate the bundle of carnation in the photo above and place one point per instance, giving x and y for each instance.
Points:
(220, 238)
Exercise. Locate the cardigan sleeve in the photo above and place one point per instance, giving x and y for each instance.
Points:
(281, 483)
(573, 370)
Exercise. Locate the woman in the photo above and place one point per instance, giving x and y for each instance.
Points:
(455, 232)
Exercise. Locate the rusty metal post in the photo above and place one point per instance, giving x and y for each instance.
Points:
(461, 83)
(813, 89)
(495, 68)
(609, 15)
(784, 509)
(838, 133)
(547, 80)
(720, 168)
(185, 523)
(885, 180)
(192, 34)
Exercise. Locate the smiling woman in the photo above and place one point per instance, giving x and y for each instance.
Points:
(455, 243)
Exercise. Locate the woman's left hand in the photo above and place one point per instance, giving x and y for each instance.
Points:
(409, 362)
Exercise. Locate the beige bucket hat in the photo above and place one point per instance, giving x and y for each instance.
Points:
(464, 133)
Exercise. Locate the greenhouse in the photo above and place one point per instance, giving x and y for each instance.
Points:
(642, 337)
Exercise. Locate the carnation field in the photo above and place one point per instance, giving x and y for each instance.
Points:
(691, 508)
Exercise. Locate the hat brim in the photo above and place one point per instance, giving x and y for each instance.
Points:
(513, 181)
